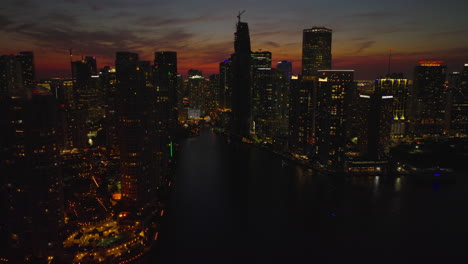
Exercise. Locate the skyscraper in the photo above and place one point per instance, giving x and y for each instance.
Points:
(88, 94)
(241, 61)
(136, 129)
(316, 50)
(165, 78)
(261, 59)
(458, 107)
(225, 84)
(30, 176)
(265, 108)
(397, 87)
(26, 59)
(331, 110)
(11, 80)
(428, 99)
(300, 115)
(285, 67)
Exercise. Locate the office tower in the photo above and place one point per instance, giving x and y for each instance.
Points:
(92, 65)
(26, 59)
(225, 84)
(63, 91)
(195, 90)
(316, 50)
(211, 94)
(136, 129)
(396, 86)
(30, 177)
(300, 116)
(10, 75)
(331, 115)
(88, 93)
(383, 107)
(261, 59)
(265, 104)
(428, 102)
(109, 86)
(165, 81)
(241, 93)
(285, 67)
(458, 103)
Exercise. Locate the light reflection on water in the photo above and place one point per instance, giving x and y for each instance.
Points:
(295, 210)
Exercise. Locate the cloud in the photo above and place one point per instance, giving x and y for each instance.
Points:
(372, 15)
(158, 21)
(364, 45)
(101, 42)
(267, 33)
(116, 4)
(271, 44)
(459, 32)
(4, 22)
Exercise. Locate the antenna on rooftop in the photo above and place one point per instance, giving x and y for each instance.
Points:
(239, 15)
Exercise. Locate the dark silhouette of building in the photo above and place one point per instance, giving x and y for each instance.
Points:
(300, 115)
(316, 50)
(165, 81)
(261, 59)
(31, 178)
(109, 86)
(26, 60)
(136, 129)
(285, 67)
(11, 80)
(265, 104)
(88, 94)
(331, 115)
(429, 99)
(241, 93)
(396, 86)
(225, 84)
(458, 103)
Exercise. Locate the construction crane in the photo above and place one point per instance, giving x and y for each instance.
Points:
(239, 15)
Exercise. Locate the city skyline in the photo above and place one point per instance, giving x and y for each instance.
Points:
(201, 33)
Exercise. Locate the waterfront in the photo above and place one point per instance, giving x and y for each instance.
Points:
(233, 203)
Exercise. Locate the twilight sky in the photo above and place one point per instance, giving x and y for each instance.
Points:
(201, 31)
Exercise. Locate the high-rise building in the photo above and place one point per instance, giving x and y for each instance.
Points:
(397, 87)
(136, 129)
(382, 108)
(225, 84)
(89, 97)
(11, 80)
(458, 103)
(285, 67)
(30, 177)
(316, 50)
(300, 116)
(26, 59)
(211, 94)
(261, 59)
(265, 104)
(331, 115)
(92, 65)
(428, 99)
(241, 93)
(195, 89)
(165, 81)
(109, 86)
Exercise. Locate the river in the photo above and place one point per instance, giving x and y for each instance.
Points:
(234, 203)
